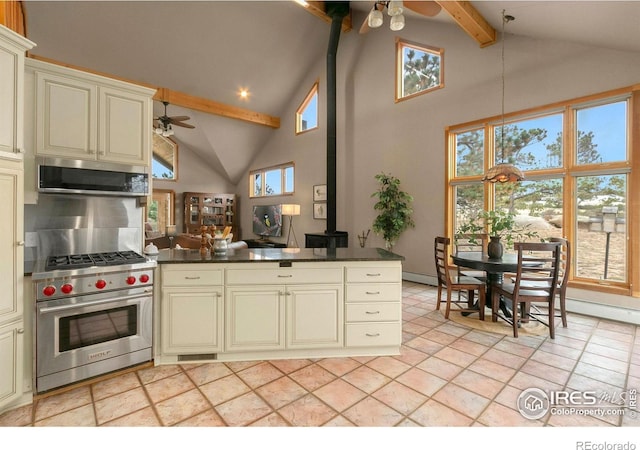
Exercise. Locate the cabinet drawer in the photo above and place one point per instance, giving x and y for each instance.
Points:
(373, 274)
(373, 334)
(374, 292)
(373, 312)
(191, 277)
(284, 276)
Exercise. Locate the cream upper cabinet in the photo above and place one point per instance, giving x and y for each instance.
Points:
(66, 117)
(124, 133)
(84, 116)
(12, 49)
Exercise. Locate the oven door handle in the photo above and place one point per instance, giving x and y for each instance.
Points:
(90, 303)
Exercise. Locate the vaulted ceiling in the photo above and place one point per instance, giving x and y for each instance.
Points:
(204, 52)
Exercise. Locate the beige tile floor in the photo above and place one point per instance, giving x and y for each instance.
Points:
(446, 375)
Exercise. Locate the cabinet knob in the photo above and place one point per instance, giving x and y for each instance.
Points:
(20, 150)
(20, 243)
(20, 331)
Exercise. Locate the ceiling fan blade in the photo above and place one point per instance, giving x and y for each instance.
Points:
(425, 8)
(178, 118)
(364, 28)
(184, 125)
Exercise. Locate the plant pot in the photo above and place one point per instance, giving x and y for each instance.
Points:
(495, 249)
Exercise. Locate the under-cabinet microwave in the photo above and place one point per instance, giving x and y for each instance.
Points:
(62, 176)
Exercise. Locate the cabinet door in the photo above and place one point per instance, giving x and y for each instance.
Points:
(9, 94)
(125, 127)
(66, 114)
(314, 316)
(11, 346)
(191, 321)
(11, 235)
(12, 49)
(254, 318)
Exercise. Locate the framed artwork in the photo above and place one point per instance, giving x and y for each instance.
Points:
(319, 210)
(320, 193)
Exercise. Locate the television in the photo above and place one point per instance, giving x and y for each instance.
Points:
(267, 221)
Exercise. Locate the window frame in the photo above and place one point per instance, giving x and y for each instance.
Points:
(283, 180)
(569, 171)
(314, 91)
(401, 44)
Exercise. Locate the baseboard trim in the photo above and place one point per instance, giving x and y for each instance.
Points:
(578, 306)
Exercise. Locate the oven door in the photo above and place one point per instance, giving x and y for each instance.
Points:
(88, 335)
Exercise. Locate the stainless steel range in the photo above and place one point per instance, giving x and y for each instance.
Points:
(93, 315)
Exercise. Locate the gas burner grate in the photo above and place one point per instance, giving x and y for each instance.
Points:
(79, 261)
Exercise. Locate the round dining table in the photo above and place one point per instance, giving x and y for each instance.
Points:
(495, 268)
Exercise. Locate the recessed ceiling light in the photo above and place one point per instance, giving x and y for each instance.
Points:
(243, 93)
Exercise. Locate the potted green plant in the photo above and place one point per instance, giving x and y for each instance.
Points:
(501, 227)
(394, 206)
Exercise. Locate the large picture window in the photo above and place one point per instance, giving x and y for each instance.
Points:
(576, 158)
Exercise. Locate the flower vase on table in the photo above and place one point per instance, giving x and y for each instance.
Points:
(495, 249)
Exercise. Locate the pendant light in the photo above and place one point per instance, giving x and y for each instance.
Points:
(503, 172)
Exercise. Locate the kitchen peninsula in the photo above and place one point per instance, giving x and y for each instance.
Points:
(269, 303)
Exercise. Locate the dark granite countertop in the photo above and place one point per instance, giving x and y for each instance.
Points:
(169, 256)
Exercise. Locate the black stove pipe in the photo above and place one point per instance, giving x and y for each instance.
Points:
(337, 11)
(331, 238)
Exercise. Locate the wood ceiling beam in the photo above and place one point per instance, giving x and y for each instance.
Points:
(212, 107)
(185, 100)
(317, 8)
(470, 20)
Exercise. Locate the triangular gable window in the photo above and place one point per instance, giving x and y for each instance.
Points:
(307, 113)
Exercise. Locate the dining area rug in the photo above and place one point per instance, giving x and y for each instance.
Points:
(531, 328)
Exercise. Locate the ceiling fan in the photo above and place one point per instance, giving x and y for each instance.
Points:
(394, 9)
(163, 124)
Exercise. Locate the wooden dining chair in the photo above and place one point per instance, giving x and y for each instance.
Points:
(563, 276)
(471, 243)
(536, 281)
(449, 280)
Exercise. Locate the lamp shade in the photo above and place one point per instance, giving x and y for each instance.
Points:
(290, 210)
(502, 173)
(374, 20)
(394, 8)
(397, 23)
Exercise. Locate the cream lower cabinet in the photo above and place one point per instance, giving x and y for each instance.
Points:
(373, 306)
(283, 308)
(263, 310)
(191, 309)
(11, 364)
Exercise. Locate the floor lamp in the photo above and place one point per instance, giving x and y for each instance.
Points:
(291, 210)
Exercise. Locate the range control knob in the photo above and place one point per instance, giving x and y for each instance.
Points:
(131, 280)
(66, 288)
(100, 284)
(49, 290)
(144, 278)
